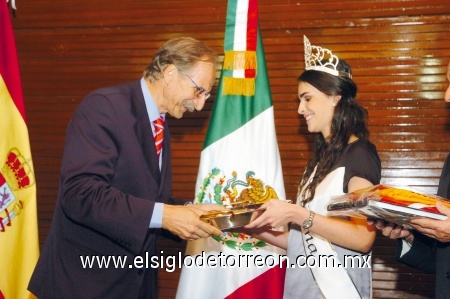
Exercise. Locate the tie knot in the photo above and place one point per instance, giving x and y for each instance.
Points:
(159, 134)
(159, 122)
(159, 125)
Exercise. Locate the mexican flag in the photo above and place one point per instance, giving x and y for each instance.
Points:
(239, 162)
(19, 244)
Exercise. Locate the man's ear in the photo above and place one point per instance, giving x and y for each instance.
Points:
(170, 72)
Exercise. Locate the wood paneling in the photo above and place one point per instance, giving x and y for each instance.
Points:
(398, 49)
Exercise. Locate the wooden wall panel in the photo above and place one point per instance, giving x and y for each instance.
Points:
(398, 49)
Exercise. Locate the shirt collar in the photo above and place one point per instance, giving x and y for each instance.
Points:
(152, 109)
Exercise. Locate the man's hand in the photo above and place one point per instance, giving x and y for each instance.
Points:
(436, 229)
(208, 207)
(184, 221)
(392, 230)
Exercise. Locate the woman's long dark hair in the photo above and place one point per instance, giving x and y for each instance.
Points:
(349, 118)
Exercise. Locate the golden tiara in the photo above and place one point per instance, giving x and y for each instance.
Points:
(321, 59)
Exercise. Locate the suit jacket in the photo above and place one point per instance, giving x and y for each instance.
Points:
(110, 181)
(429, 254)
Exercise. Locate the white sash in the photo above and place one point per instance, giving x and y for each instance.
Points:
(333, 281)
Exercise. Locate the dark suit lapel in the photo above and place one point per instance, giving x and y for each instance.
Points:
(444, 181)
(143, 131)
(166, 157)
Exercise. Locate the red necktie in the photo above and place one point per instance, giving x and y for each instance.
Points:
(159, 134)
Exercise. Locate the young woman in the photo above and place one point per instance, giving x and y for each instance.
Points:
(344, 161)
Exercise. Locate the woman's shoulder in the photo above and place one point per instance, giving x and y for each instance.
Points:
(361, 151)
(361, 146)
(362, 160)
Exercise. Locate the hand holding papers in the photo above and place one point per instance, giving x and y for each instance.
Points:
(397, 205)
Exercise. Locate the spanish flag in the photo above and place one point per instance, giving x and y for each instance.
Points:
(19, 246)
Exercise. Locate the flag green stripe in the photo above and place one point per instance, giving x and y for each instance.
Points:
(244, 108)
(230, 26)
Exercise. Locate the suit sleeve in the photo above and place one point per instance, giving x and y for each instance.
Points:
(179, 201)
(422, 254)
(88, 196)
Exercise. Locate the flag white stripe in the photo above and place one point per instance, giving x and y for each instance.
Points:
(238, 73)
(222, 280)
(228, 152)
(240, 29)
(258, 139)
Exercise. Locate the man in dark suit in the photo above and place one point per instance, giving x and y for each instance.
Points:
(114, 193)
(428, 247)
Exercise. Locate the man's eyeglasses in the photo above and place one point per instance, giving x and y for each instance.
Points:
(200, 90)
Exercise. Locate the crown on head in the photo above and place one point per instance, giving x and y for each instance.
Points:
(321, 59)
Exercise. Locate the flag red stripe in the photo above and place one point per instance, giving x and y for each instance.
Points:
(257, 287)
(9, 67)
(250, 73)
(252, 25)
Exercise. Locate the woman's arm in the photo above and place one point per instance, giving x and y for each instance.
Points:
(274, 237)
(354, 234)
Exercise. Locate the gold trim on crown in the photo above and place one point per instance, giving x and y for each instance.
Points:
(321, 59)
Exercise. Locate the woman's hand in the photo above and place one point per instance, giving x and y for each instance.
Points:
(273, 214)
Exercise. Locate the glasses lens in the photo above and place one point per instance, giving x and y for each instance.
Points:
(200, 91)
(200, 94)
